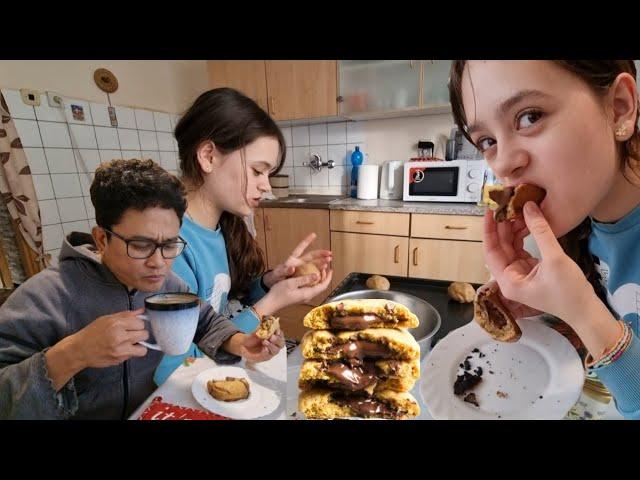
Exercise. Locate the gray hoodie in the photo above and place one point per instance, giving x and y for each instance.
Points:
(60, 301)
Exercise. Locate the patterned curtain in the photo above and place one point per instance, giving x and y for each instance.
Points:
(16, 186)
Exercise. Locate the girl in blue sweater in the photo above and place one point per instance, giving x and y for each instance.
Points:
(571, 128)
(228, 147)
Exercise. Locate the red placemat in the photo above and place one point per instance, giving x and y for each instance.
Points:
(159, 410)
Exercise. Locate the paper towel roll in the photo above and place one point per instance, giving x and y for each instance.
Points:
(367, 182)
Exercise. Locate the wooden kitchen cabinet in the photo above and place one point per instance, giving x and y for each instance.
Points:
(286, 227)
(451, 260)
(258, 221)
(370, 222)
(302, 88)
(247, 76)
(454, 227)
(359, 252)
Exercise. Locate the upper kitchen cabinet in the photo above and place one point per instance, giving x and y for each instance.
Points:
(374, 85)
(393, 88)
(435, 91)
(302, 88)
(247, 76)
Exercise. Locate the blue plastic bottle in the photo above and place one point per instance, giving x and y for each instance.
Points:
(356, 161)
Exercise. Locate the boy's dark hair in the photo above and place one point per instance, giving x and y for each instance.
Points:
(139, 184)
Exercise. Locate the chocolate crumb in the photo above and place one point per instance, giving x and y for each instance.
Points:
(471, 398)
(475, 350)
(467, 365)
(540, 397)
(478, 371)
(491, 372)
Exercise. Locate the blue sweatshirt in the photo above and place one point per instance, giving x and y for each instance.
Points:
(204, 266)
(616, 249)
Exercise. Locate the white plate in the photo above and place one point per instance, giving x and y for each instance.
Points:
(541, 373)
(263, 398)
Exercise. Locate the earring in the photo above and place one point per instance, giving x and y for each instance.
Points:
(621, 131)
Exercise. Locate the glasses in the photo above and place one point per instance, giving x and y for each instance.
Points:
(140, 249)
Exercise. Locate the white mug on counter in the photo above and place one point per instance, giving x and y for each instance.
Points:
(368, 182)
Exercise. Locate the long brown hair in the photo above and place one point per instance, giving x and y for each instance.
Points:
(231, 121)
(599, 75)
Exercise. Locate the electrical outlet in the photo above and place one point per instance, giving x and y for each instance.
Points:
(30, 97)
(55, 99)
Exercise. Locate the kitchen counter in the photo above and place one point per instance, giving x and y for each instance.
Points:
(337, 202)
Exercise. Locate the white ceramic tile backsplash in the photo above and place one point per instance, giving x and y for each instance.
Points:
(169, 160)
(336, 133)
(60, 160)
(91, 212)
(55, 134)
(52, 236)
(71, 209)
(302, 177)
(49, 212)
(100, 114)
(165, 142)
(144, 119)
(36, 160)
(45, 113)
(88, 160)
(28, 133)
(84, 136)
(162, 122)
(337, 153)
(66, 185)
(321, 178)
(300, 136)
(80, 226)
(300, 156)
(85, 183)
(126, 118)
(127, 154)
(153, 155)
(43, 187)
(318, 134)
(17, 108)
(286, 133)
(107, 138)
(108, 155)
(338, 176)
(128, 139)
(148, 140)
(355, 132)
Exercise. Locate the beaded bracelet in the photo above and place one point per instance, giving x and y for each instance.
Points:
(612, 355)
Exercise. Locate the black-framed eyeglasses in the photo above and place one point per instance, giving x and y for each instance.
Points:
(141, 249)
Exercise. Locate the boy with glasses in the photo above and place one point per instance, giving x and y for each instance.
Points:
(69, 335)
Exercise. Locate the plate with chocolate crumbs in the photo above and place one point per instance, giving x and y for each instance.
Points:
(469, 376)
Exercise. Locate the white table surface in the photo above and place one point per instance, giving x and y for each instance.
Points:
(177, 388)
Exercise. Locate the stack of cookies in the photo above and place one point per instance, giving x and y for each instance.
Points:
(360, 361)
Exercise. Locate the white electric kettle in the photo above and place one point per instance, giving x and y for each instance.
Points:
(391, 180)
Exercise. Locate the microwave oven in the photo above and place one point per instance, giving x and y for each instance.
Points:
(454, 181)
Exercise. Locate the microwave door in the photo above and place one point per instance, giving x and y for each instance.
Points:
(435, 182)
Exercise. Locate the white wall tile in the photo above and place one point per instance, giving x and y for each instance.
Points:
(174, 143)
(66, 185)
(300, 136)
(286, 133)
(79, 226)
(17, 108)
(52, 236)
(128, 154)
(100, 114)
(165, 142)
(88, 160)
(126, 117)
(153, 155)
(55, 135)
(300, 156)
(71, 209)
(108, 155)
(86, 110)
(107, 138)
(338, 153)
(45, 113)
(43, 186)
(162, 122)
(338, 176)
(61, 160)
(168, 160)
(36, 160)
(128, 139)
(92, 223)
(148, 140)
(174, 121)
(288, 159)
(49, 212)
(144, 119)
(302, 177)
(321, 178)
(337, 133)
(85, 183)
(355, 132)
(28, 133)
(91, 212)
(318, 134)
(84, 136)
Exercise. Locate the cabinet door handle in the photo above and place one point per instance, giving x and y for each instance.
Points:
(272, 106)
(453, 227)
(267, 225)
(360, 222)
(415, 256)
(396, 254)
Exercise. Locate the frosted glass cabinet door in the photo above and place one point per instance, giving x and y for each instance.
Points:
(436, 77)
(378, 85)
